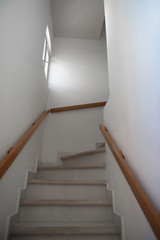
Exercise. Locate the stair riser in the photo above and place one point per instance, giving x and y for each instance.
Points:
(66, 191)
(83, 174)
(65, 214)
(88, 237)
(87, 160)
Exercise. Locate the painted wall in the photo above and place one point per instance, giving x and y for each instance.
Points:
(132, 113)
(134, 223)
(78, 75)
(23, 90)
(72, 131)
(78, 72)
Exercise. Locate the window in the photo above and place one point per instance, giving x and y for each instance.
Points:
(46, 53)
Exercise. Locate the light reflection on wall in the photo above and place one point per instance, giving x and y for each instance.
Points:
(59, 75)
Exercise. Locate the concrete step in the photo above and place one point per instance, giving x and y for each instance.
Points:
(70, 167)
(67, 182)
(97, 212)
(65, 233)
(66, 191)
(83, 154)
(66, 237)
(94, 172)
(61, 224)
(63, 202)
(88, 158)
(67, 202)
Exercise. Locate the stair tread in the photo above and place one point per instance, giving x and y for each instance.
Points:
(82, 154)
(63, 202)
(45, 214)
(78, 230)
(63, 224)
(53, 167)
(67, 182)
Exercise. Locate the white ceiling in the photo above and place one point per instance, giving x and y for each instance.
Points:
(78, 18)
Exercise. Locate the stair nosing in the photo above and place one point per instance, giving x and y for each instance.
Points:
(82, 154)
(67, 182)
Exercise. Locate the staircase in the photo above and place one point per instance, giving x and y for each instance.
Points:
(67, 202)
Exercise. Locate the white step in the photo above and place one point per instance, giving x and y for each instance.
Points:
(60, 224)
(63, 202)
(66, 233)
(94, 172)
(88, 158)
(66, 213)
(69, 191)
(70, 167)
(68, 182)
(84, 154)
(67, 202)
(73, 237)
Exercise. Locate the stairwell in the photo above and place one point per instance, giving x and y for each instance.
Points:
(67, 201)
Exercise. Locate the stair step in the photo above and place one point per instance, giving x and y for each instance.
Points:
(66, 191)
(67, 237)
(67, 182)
(71, 174)
(64, 167)
(86, 160)
(61, 224)
(82, 154)
(85, 230)
(67, 202)
(62, 202)
(66, 213)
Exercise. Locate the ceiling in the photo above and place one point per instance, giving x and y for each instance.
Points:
(78, 18)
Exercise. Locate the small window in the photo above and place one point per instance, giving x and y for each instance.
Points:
(46, 54)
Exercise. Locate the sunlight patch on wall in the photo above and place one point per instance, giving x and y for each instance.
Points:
(60, 75)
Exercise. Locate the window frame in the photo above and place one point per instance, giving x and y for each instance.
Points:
(46, 57)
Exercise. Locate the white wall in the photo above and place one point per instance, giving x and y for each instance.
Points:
(78, 72)
(78, 75)
(71, 131)
(135, 223)
(23, 90)
(132, 113)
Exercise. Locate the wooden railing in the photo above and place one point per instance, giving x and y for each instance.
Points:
(14, 151)
(75, 107)
(149, 210)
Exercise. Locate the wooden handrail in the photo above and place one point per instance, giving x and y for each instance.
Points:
(14, 151)
(75, 107)
(147, 207)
